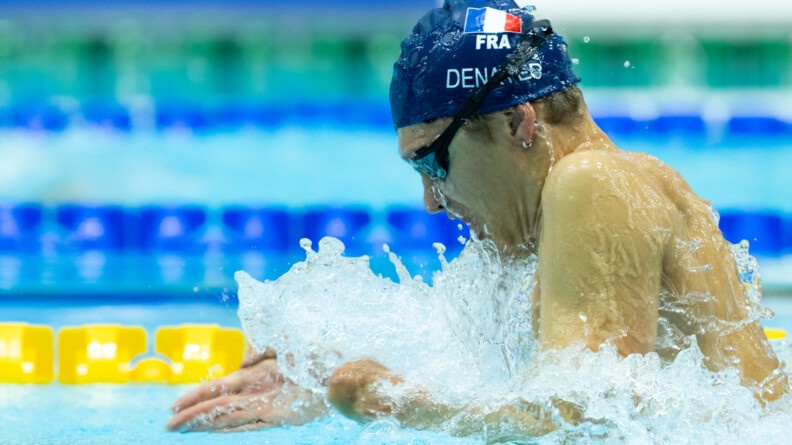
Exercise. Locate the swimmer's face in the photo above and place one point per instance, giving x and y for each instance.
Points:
(481, 185)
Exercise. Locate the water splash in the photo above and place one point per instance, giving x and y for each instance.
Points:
(330, 309)
(748, 269)
(468, 340)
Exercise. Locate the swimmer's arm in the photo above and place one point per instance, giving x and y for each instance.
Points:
(365, 390)
(600, 257)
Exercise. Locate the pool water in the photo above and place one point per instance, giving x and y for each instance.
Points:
(271, 167)
(303, 166)
(136, 413)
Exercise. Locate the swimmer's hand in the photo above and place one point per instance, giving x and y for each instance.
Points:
(254, 397)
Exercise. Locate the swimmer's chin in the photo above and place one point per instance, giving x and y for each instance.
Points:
(480, 234)
(477, 232)
(504, 245)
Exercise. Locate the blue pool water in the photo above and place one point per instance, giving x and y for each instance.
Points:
(295, 168)
(136, 413)
(298, 167)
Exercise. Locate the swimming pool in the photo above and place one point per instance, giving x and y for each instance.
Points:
(136, 413)
(224, 165)
(282, 169)
(226, 116)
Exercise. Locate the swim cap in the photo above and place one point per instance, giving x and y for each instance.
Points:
(453, 50)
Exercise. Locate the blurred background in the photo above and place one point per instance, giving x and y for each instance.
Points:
(148, 149)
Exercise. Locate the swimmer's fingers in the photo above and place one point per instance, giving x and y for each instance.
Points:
(222, 413)
(258, 378)
(241, 420)
(206, 391)
(245, 413)
(242, 428)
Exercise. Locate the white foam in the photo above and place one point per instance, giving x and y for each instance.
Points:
(468, 340)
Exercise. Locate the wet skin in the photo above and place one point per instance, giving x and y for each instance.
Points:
(627, 253)
(622, 240)
(254, 397)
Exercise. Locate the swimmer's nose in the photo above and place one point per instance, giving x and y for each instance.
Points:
(431, 198)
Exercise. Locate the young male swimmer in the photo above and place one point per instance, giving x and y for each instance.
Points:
(488, 112)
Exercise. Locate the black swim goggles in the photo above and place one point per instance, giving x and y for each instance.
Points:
(433, 159)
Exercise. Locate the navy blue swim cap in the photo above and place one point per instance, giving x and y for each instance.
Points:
(453, 50)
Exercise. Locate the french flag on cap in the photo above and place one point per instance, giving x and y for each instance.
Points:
(490, 20)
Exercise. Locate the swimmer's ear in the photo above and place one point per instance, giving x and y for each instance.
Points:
(522, 122)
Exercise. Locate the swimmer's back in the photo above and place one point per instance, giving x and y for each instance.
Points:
(701, 293)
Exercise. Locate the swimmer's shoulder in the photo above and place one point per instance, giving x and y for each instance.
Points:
(579, 187)
(656, 173)
(585, 170)
(583, 177)
(588, 167)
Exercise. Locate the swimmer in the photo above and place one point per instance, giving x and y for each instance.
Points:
(488, 112)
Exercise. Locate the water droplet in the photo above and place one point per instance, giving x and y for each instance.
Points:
(626, 63)
(575, 61)
(586, 39)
